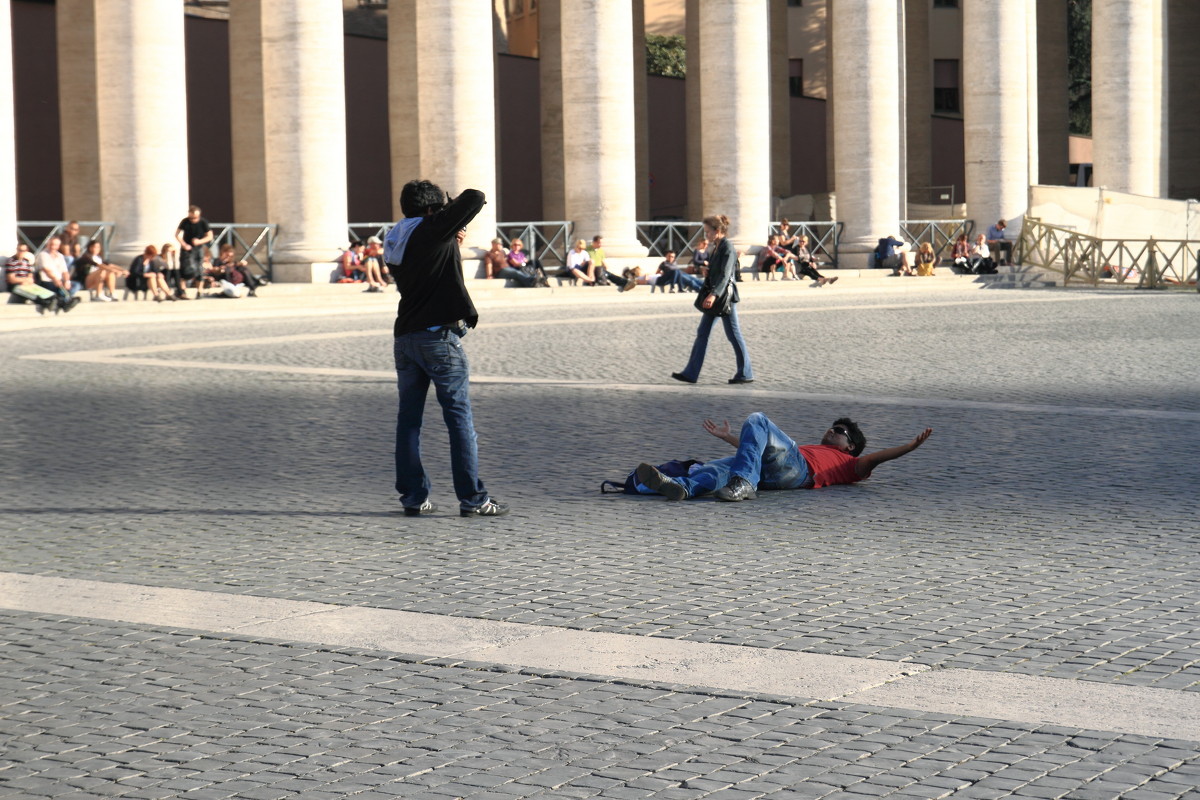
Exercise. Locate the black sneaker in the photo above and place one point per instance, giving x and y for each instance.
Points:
(489, 508)
(649, 476)
(679, 376)
(416, 511)
(737, 489)
(74, 301)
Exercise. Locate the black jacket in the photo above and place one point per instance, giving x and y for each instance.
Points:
(430, 275)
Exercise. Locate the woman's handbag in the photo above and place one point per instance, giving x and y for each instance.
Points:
(721, 306)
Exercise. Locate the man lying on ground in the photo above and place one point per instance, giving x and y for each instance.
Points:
(767, 458)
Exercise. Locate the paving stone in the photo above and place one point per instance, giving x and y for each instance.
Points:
(1043, 542)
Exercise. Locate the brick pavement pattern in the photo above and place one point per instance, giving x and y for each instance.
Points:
(1050, 533)
(112, 711)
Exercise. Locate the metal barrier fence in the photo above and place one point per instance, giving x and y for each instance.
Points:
(682, 237)
(678, 237)
(940, 233)
(36, 233)
(547, 241)
(361, 231)
(1148, 263)
(254, 242)
(823, 238)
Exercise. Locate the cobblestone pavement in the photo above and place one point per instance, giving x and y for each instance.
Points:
(112, 711)
(1047, 528)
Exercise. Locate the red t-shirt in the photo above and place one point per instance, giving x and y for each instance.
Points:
(829, 466)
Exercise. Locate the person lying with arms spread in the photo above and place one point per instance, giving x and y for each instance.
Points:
(767, 458)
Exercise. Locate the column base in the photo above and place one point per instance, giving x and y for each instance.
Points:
(857, 255)
(304, 271)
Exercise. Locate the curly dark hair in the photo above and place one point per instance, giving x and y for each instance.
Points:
(417, 198)
(857, 440)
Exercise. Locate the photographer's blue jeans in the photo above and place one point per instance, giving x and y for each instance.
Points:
(435, 357)
(733, 331)
(766, 457)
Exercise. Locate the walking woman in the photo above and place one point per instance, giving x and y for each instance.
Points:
(717, 298)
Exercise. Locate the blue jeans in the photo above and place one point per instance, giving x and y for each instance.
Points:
(686, 281)
(766, 457)
(421, 358)
(733, 332)
(516, 276)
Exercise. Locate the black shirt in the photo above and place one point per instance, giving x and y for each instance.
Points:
(193, 230)
(430, 277)
(83, 266)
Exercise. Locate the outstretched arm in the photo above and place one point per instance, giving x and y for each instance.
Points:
(722, 431)
(870, 461)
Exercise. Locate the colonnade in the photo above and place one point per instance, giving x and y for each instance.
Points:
(125, 147)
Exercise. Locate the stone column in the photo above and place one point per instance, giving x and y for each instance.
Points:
(457, 106)
(918, 99)
(996, 111)
(736, 132)
(1128, 112)
(75, 28)
(8, 137)
(248, 134)
(554, 204)
(1031, 92)
(599, 145)
(1053, 122)
(781, 105)
(866, 88)
(304, 105)
(142, 122)
(404, 113)
(695, 158)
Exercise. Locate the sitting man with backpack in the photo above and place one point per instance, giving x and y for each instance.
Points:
(767, 458)
(892, 253)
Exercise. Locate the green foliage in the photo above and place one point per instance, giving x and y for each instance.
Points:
(666, 56)
(1079, 66)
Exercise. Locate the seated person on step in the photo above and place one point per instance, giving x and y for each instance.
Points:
(892, 253)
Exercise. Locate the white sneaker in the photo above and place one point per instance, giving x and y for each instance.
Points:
(103, 298)
(112, 298)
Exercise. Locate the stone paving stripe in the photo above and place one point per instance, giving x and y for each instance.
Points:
(1150, 712)
(1015, 698)
(127, 356)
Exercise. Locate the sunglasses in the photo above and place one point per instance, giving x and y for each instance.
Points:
(843, 431)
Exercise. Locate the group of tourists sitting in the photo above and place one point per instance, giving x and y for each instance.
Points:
(787, 254)
(363, 262)
(67, 269)
(966, 257)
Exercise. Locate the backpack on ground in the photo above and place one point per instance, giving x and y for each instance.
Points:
(672, 469)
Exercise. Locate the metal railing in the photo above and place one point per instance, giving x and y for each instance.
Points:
(1080, 258)
(823, 238)
(361, 231)
(547, 241)
(941, 233)
(36, 233)
(254, 242)
(660, 236)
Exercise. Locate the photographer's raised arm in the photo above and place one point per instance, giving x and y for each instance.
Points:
(456, 214)
(870, 461)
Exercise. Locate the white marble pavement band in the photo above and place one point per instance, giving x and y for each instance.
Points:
(1083, 704)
